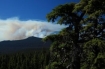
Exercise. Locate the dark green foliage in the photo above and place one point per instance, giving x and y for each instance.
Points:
(82, 44)
(33, 60)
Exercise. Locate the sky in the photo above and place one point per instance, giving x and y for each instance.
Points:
(20, 19)
(29, 9)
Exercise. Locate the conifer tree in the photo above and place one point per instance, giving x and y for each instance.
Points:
(81, 44)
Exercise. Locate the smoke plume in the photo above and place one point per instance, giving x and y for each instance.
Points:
(15, 29)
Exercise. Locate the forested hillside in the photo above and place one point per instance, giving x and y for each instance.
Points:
(26, 60)
(30, 43)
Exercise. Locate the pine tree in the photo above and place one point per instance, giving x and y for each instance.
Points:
(85, 33)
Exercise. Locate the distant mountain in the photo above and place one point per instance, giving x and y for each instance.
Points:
(19, 45)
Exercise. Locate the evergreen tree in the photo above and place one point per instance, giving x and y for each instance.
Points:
(81, 44)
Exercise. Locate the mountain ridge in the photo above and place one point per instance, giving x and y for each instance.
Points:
(19, 45)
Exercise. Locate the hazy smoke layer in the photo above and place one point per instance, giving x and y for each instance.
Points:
(15, 29)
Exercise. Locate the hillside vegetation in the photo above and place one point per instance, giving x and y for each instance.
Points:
(25, 60)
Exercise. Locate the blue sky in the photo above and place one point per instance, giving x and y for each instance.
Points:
(28, 9)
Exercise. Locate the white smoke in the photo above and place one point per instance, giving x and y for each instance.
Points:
(15, 29)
